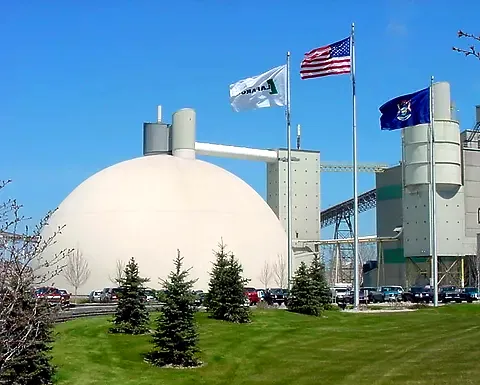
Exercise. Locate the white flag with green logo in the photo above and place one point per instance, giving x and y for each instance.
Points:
(262, 91)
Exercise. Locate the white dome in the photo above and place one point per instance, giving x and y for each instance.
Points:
(151, 206)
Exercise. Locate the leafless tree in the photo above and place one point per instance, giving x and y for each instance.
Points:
(119, 272)
(76, 272)
(265, 274)
(471, 50)
(280, 271)
(367, 252)
(24, 264)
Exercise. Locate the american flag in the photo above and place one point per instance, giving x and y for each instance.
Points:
(332, 59)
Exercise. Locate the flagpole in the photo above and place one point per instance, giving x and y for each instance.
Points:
(356, 272)
(289, 179)
(433, 205)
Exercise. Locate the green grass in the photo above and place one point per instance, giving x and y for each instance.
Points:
(430, 346)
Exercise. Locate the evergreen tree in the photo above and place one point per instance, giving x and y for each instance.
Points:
(32, 366)
(320, 288)
(225, 299)
(302, 299)
(175, 337)
(131, 315)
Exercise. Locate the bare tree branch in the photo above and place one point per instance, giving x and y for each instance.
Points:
(472, 50)
(367, 252)
(280, 271)
(265, 275)
(76, 272)
(24, 264)
(119, 273)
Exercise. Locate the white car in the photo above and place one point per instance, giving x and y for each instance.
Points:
(95, 296)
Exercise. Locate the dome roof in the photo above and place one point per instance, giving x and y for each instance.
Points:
(151, 206)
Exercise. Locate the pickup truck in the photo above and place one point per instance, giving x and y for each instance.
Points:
(450, 294)
(252, 295)
(418, 294)
(470, 294)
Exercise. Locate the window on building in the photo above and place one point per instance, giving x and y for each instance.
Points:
(478, 216)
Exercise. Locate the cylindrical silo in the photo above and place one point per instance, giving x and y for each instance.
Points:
(183, 133)
(447, 145)
(156, 139)
(441, 101)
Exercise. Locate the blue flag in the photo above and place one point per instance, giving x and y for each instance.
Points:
(406, 110)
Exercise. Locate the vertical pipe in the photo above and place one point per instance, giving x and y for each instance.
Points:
(298, 136)
(159, 114)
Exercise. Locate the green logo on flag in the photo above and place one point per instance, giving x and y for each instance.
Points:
(272, 86)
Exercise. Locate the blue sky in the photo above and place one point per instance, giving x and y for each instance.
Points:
(78, 79)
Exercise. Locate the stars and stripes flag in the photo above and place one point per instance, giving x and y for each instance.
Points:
(332, 59)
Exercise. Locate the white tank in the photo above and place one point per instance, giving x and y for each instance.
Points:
(447, 145)
(183, 133)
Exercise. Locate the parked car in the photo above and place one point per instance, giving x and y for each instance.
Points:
(349, 297)
(252, 295)
(387, 293)
(110, 294)
(418, 294)
(199, 297)
(470, 294)
(51, 295)
(95, 296)
(450, 293)
(339, 292)
(274, 295)
(149, 294)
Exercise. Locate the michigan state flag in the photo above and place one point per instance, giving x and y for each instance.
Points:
(406, 110)
(260, 91)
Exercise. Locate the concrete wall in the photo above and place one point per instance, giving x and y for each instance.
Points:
(305, 194)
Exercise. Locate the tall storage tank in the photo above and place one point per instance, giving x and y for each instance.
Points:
(447, 146)
(449, 194)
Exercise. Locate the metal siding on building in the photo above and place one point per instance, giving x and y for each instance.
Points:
(305, 192)
(472, 199)
(416, 236)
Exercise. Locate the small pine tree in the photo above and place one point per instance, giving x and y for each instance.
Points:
(225, 299)
(175, 337)
(320, 288)
(33, 365)
(302, 300)
(131, 315)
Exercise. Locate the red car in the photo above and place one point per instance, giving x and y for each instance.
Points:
(52, 295)
(252, 295)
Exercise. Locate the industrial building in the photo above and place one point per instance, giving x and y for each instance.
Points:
(167, 199)
(402, 202)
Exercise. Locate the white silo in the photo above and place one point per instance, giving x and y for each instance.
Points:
(449, 185)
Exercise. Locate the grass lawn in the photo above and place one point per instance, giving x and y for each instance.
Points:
(430, 346)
